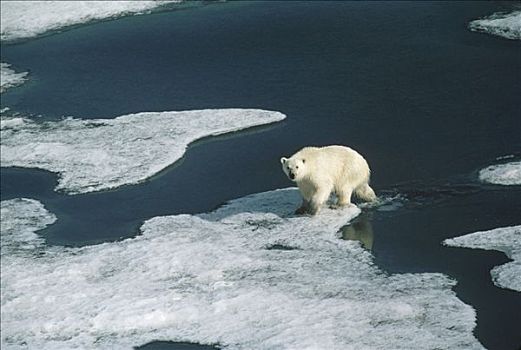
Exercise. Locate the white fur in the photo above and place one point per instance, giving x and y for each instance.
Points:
(319, 171)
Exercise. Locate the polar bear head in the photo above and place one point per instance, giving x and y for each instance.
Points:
(293, 167)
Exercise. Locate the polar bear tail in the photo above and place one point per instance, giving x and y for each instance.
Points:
(365, 193)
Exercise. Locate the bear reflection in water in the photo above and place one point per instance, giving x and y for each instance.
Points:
(360, 230)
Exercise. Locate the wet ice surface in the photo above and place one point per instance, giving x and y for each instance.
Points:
(501, 24)
(99, 154)
(25, 19)
(502, 174)
(9, 78)
(506, 240)
(216, 279)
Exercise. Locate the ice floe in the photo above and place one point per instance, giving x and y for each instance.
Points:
(9, 78)
(25, 19)
(19, 220)
(504, 239)
(219, 278)
(507, 25)
(502, 174)
(99, 154)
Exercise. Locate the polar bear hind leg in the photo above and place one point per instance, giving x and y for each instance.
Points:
(365, 193)
(344, 197)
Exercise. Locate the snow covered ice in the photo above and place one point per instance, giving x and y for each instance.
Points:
(501, 24)
(217, 278)
(9, 78)
(502, 174)
(19, 220)
(25, 19)
(504, 239)
(99, 154)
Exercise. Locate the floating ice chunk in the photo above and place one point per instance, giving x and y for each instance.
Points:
(9, 78)
(508, 156)
(505, 25)
(19, 220)
(502, 174)
(212, 279)
(506, 240)
(24, 19)
(98, 154)
(11, 123)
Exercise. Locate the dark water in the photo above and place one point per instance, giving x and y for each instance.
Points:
(407, 84)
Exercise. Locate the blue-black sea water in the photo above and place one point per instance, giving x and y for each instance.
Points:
(407, 84)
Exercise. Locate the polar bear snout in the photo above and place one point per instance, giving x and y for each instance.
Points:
(290, 174)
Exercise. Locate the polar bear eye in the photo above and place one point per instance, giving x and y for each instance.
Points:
(296, 167)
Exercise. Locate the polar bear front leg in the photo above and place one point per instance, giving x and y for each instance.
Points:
(318, 200)
(304, 207)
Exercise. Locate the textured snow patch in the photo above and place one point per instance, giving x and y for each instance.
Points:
(212, 279)
(9, 78)
(504, 239)
(25, 19)
(502, 174)
(501, 24)
(99, 154)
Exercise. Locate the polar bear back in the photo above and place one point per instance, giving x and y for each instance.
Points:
(336, 165)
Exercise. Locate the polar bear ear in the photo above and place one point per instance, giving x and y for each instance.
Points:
(283, 160)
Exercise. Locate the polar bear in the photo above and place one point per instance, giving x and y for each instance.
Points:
(319, 171)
